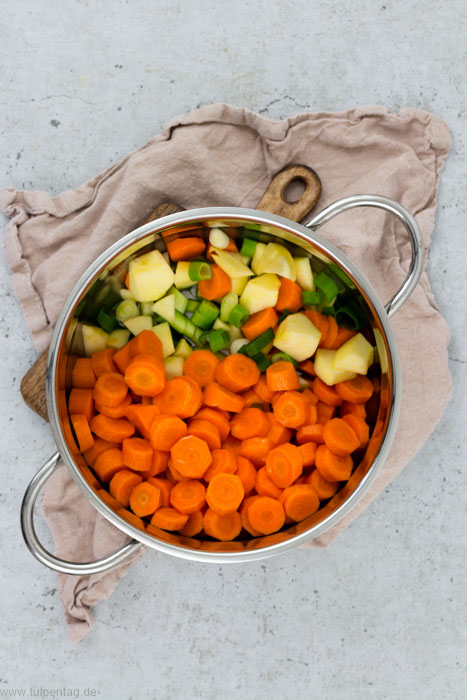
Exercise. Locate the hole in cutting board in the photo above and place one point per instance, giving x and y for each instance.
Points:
(294, 190)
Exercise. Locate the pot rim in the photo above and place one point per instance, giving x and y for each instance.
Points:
(307, 236)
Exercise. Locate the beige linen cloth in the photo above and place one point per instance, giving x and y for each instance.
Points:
(222, 155)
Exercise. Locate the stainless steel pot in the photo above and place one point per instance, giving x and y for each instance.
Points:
(65, 342)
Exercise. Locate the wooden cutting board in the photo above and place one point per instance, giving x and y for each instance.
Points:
(278, 199)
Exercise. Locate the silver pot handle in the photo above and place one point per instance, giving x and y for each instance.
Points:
(416, 240)
(38, 550)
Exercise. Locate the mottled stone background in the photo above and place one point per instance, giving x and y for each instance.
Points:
(383, 612)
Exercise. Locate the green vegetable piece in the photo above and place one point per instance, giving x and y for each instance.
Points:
(327, 286)
(228, 303)
(311, 298)
(339, 272)
(255, 346)
(126, 309)
(262, 361)
(351, 317)
(106, 321)
(205, 314)
(328, 311)
(191, 305)
(283, 357)
(218, 340)
(284, 314)
(238, 316)
(181, 302)
(199, 270)
(248, 247)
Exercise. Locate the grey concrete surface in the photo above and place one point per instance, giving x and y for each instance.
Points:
(382, 614)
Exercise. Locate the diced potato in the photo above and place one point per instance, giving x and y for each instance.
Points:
(231, 263)
(166, 308)
(304, 274)
(355, 355)
(277, 259)
(183, 349)
(118, 338)
(138, 324)
(173, 366)
(150, 276)
(163, 332)
(94, 339)
(257, 262)
(261, 293)
(182, 278)
(381, 351)
(239, 284)
(325, 369)
(297, 336)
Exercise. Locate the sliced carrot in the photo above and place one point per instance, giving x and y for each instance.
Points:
(251, 398)
(145, 375)
(173, 474)
(97, 449)
(265, 486)
(145, 498)
(357, 390)
(122, 357)
(81, 401)
(243, 510)
(260, 322)
(181, 396)
(224, 493)
(340, 437)
(118, 411)
(165, 487)
(256, 449)
(194, 524)
(310, 396)
(111, 429)
(158, 464)
(310, 433)
(360, 426)
(127, 280)
(324, 489)
(331, 335)
(343, 335)
(251, 422)
(218, 396)
(266, 515)
(102, 361)
(321, 322)
(291, 409)
(284, 464)
(207, 431)
(331, 466)
(201, 366)
(262, 390)
(82, 375)
(142, 417)
(308, 453)
(165, 431)
(278, 434)
(110, 389)
(222, 527)
(146, 343)
(324, 412)
(355, 409)
(217, 286)
(83, 434)
(232, 445)
(146, 400)
(137, 454)
(122, 484)
(191, 456)
(246, 472)
(237, 372)
(307, 367)
(188, 496)
(282, 376)
(216, 417)
(169, 519)
(223, 462)
(290, 296)
(299, 501)
(108, 463)
(185, 248)
(326, 394)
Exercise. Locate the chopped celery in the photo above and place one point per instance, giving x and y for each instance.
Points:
(228, 303)
(205, 314)
(327, 286)
(126, 309)
(181, 302)
(339, 272)
(255, 346)
(311, 298)
(218, 340)
(106, 321)
(248, 247)
(262, 361)
(191, 305)
(238, 316)
(199, 270)
(126, 294)
(146, 307)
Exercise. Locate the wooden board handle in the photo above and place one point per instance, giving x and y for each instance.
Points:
(273, 199)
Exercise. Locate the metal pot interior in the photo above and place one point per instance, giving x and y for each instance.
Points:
(100, 286)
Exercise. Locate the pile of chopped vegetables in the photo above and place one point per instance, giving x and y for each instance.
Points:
(223, 391)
